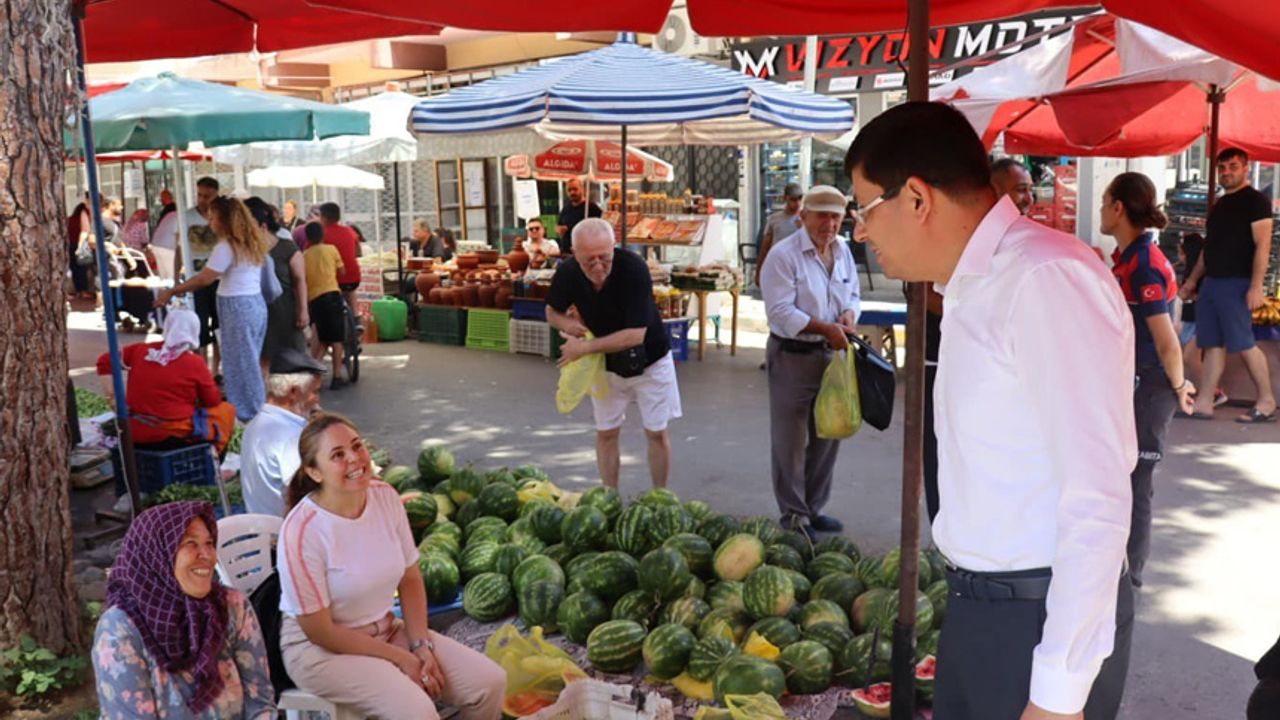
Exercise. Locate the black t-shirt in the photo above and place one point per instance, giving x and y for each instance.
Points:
(571, 215)
(625, 301)
(1228, 244)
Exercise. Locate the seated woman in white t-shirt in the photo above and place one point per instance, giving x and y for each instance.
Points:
(344, 551)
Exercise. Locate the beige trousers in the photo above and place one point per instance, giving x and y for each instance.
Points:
(373, 687)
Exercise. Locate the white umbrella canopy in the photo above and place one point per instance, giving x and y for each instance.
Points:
(336, 176)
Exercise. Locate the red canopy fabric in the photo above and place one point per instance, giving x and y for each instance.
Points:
(1246, 33)
(127, 30)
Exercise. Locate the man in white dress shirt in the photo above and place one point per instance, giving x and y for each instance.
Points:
(811, 296)
(1035, 425)
(269, 448)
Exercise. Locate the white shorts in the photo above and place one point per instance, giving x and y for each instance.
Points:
(655, 391)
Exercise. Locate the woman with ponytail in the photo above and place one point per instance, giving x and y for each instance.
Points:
(345, 550)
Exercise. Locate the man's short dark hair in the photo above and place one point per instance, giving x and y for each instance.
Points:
(330, 212)
(1004, 165)
(314, 232)
(1231, 153)
(928, 140)
(208, 182)
(533, 220)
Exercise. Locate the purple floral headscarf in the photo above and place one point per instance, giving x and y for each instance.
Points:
(182, 633)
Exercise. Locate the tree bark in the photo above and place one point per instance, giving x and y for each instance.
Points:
(37, 597)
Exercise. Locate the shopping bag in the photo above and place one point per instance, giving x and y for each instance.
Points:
(536, 670)
(877, 381)
(760, 706)
(583, 376)
(838, 413)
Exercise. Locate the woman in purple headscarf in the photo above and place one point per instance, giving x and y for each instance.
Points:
(173, 642)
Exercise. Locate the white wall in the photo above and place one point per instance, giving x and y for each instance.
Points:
(1094, 175)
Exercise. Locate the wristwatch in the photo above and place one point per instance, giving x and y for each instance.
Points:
(413, 646)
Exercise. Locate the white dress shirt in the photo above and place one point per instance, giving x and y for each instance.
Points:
(1036, 439)
(269, 458)
(797, 287)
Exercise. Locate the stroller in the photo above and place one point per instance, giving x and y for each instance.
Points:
(135, 301)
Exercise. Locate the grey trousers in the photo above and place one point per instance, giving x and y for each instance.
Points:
(803, 463)
(1153, 408)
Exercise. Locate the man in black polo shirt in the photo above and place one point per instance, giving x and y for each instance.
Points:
(613, 294)
(578, 209)
(1237, 248)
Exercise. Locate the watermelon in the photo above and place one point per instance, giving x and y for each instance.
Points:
(796, 541)
(482, 523)
(937, 594)
(834, 636)
(874, 701)
(856, 659)
(928, 644)
(768, 592)
(762, 527)
(610, 575)
(696, 589)
(801, 584)
(717, 528)
(435, 464)
(615, 646)
(708, 655)
(865, 606)
(528, 508)
(500, 475)
(698, 510)
(634, 530)
(685, 611)
(531, 544)
(868, 571)
(465, 484)
(478, 558)
(487, 597)
(421, 509)
(807, 666)
(924, 576)
(669, 521)
(579, 614)
(444, 544)
(446, 527)
(559, 552)
(445, 508)
(748, 675)
(467, 512)
(499, 500)
(637, 606)
(664, 573)
(400, 477)
(827, 563)
(666, 650)
(521, 533)
(926, 669)
(726, 594)
(890, 566)
(547, 520)
(840, 544)
(488, 534)
(658, 497)
(817, 611)
(885, 613)
(840, 588)
(738, 556)
(440, 576)
(937, 564)
(779, 631)
(726, 623)
(538, 603)
(529, 471)
(603, 498)
(536, 568)
(696, 550)
(508, 557)
(578, 561)
(584, 528)
(784, 556)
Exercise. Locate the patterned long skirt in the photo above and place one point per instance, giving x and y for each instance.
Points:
(243, 321)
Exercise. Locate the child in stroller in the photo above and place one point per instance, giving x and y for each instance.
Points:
(131, 266)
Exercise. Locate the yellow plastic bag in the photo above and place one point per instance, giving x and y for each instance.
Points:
(760, 706)
(580, 377)
(838, 412)
(537, 671)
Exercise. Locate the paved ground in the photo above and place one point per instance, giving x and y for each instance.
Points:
(1210, 609)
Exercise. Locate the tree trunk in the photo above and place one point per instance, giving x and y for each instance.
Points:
(36, 593)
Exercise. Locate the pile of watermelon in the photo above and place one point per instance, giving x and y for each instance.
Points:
(713, 604)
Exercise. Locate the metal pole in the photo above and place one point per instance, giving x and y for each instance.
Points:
(586, 211)
(108, 300)
(1215, 105)
(810, 84)
(904, 642)
(395, 180)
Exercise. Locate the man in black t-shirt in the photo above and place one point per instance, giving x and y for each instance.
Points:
(578, 209)
(613, 296)
(1236, 251)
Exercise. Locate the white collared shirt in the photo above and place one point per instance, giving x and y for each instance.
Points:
(269, 458)
(1034, 415)
(797, 287)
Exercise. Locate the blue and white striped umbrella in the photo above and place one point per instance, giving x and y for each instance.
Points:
(662, 99)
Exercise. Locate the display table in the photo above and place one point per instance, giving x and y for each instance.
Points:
(877, 321)
(702, 320)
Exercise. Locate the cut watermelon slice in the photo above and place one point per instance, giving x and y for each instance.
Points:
(874, 701)
(925, 670)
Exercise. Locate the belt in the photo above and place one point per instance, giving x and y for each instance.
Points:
(799, 347)
(1019, 585)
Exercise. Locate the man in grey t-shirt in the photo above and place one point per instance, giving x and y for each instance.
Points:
(780, 225)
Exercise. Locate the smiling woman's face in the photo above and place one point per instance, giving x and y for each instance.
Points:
(197, 556)
(342, 461)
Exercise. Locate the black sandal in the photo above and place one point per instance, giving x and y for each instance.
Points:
(1255, 417)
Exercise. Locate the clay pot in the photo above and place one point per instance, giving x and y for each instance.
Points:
(518, 259)
(452, 296)
(489, 267)
(508, 283)
(473, 276)
(538, 290)
(467, 261)
(471, 296)
(425, 281)
(488, 295)
(502, 300)
(435, 296)
(487, 257)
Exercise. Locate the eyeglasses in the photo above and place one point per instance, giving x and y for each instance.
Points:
(860, 214)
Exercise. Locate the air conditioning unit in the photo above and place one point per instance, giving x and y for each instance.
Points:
(678, 38)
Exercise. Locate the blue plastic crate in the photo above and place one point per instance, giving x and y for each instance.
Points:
(528, 309)
(678, 338)
(190, 465)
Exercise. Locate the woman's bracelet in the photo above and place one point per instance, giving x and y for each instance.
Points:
(1180, 387)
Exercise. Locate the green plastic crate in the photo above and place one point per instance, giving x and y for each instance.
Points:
(442, 325)
(489, 330)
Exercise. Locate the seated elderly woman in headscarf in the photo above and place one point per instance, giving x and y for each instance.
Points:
(173, 401)
(173, 642)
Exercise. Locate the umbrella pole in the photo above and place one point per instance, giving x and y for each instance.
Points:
(180, 207)
(904, 642)
(395, 183)
(108, 299)
(1215, 105)
(587, 209)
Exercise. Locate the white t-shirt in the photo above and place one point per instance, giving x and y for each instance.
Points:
(166, 232)
(238, 277)
(350, 566)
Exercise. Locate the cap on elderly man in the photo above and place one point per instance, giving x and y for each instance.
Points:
(824, 198)
(793, 190)
(292, 360)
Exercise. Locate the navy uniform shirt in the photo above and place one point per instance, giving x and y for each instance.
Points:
(1147, 279)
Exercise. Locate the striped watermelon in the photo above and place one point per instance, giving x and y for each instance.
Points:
(538, 603)
(937, 594)
(768, 592)
(480, 523)
(727, 623)
(784, 556)
(818, 611)
(801, 584)
(928, 644)
(578, 561)
(529, 471)
(738, 556)
(762, 527)
(832, 635)
(664, 573)
(547, 521)
(855, 660)
(840, 588)
(779, 631)
(798, 542)
(807, 666)
(634, 530)
(717, 528)
(579, 614)
(441, 543)
(584, 528)
(610, 575)
(823, 564)
(669, 521)
(685, 611)
(529, 507)
(708, 655)
(603, 498)
(421, 509)
(435, 464)
(698, 510)
(696, 589)
(446, 527)
(521, 531)
(500, 475)
(666, 650)
(638, 606)
(616, 646)
(536, 568)
(868, 571)
(401, 477)
(865, 607)
(508, 557)
(840, 544)
(748, 675)
(926, 670)
(561, 553)
(884, 615)
(440, 576)
(467, 512)
(499, 500)
(445, 508)
(726, 594)
(890, 567)
(477, 559)
(487, 597)
(464, 485)
(658, 497)
(487, 533)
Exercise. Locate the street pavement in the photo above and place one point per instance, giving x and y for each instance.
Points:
(1209, 609)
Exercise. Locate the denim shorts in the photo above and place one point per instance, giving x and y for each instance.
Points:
(1222, 315)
